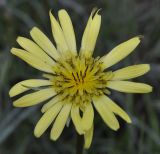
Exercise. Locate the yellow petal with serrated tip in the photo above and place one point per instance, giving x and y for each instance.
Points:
(90, 35)
(42, 40)
(68, 30)
(88, 138)
(34, 98)
(32, 60)
(106, 114)
(47, 119)
(130, 72)
(58, 35)
(27, 85)
(120, 52)
(88, 116)
(116, 109)
(60, 121)
(129, 87)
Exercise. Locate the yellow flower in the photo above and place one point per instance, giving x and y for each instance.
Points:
(75, 82)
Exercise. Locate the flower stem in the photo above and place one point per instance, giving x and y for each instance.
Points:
(79, 144)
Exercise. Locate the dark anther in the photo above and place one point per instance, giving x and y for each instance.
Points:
(78, 76)
(85, 72)
(74, 77)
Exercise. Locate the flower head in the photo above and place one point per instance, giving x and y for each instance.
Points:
(74, 82)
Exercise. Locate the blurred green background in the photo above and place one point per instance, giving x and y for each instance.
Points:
(121, 20)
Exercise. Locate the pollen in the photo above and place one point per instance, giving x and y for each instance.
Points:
(80, 78)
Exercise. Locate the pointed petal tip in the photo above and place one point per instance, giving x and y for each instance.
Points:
(87, 146)
(50, 13)
(150, 89)
(36, 134)
(99, 11)
(129, 121)
(62, 11)
(53, 138)
(140, 37)
(15, 104)
(10, 93)
(18, 104)
(12, 50)
(15, 50)
(96, 12)
(115, 128)
(18, 38)
(52, 18)
(42, 110)
(148, 67)
(34, 28)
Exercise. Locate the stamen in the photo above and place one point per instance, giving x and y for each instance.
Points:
(80, 76)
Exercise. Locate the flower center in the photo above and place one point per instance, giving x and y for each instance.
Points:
(79, 78)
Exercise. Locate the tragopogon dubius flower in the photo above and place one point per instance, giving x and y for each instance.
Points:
(74, 82)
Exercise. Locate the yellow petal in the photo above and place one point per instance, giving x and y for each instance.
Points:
(58, 35)
(88, 138)
(27, 85)
(88, 116)
(49, 104)
(48, 76)
(90, 35)
(60, 121)
(32, 60)
(131, 72)
(85, 34)
(68, 30)
(34, 98)
(47, 119)
(120, 52)
(75, 115)
(33, 48)
(129, 87)
(116, 109)
(106, 114)
(42, 40)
